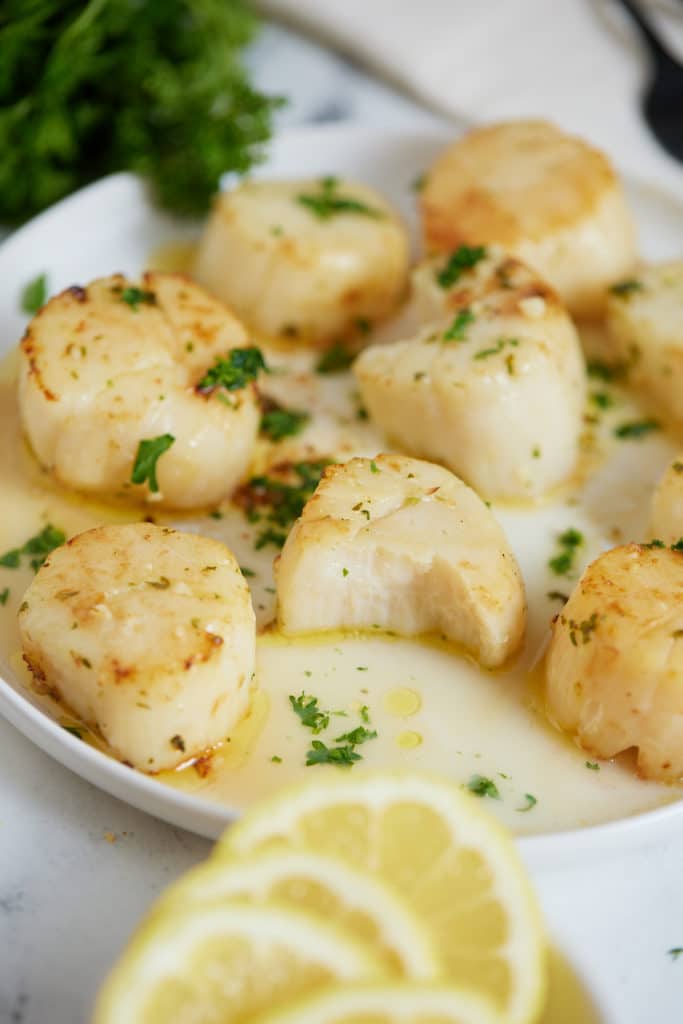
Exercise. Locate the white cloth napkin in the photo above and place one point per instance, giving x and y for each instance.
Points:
(577, 62)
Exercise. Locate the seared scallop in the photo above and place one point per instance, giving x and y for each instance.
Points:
(666, 510)
(495, 391)
(109, 366)
(614, 673)
(645, 321)
(147, 635)
(310, 260)
(396, 543)
(549, 198)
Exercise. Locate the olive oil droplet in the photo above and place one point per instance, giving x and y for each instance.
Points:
(409, 739)
(402, 702)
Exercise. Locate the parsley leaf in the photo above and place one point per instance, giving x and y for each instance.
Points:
(462, 320)
(34, 294)
(4, 594)
(358, 735)
(623, 289)
(337, 358)
(37, 547)
(675, 952)
(322, 754)
(148, 453)
(239, 368)
(593, 765)
(329, 203)
(280, 498)
(306, 707)
(458, 262)
(133, 297)
(569, 542)
(481, 786)
(502, 343)
(636, 429)
(531, 801)
(278, 423)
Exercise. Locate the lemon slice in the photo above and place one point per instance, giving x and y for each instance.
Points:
(451, 863)
(387, 1004)
(216, 965)
(324, 887)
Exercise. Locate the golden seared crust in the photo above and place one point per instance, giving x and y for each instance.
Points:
(510, 182)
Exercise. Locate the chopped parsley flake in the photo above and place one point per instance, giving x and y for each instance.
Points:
(496, 349)
(239, 368)
(636, 429)
(677, 467)
(462, 320)
(678, 546)
(74, 730)
(276, 759)
(604, 371)
(593, 766)
(328, 202)
(481, 786)
(675, 952)
(602, 399)
(345, 572)
(37, 548)
(569, 541)
(322, 754)
(460, 261)
(34, 294)
(133, 297)
(531, 801)
(279, 423)
(148, 454)
(557, 595)
(374, 468)
(419, 182)
(337, 358)
(656, 543)
(623, 289)
(306, 707)
(583, 629)
(278, 500)
(356, 736)
(4, 594)
(363, 325)
(247, 573)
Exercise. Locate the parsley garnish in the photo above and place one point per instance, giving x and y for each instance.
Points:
(278, 423)
(279, 501)
(656, 543)
(636, 429)
(481, 786)
(675, 952)
(602, 399)
(484, 353)
(593, 765)
(678, 546)
(34, 294)
(625, 288)
(584, 629)
(456, 332)
(239, 368)
(569, 542)
(329, 203)
(322, 754)
(557, 595)
(276, 759)
(38, 546)
(306, 707)
(4, 594)
(133, 297)
(337, 358)
(246, 572)
(148, 453)
(356, 736)
(677, 467)
(531, 801)
(374, 468)
(458, 262)
(74, 730)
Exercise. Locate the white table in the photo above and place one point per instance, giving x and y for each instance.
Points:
(78, 868)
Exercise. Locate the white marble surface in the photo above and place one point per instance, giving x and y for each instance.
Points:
(78, 868)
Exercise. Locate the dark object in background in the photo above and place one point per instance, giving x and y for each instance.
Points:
(153, 86)
(663, 98)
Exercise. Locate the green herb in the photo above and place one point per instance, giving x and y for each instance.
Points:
(584, 629)
(625, 288)
(602, 399)
(279, 501)
(536, 452)
(216, 514)
(356, 736)
(322, 754)
(279, 423)
(247, 573)
(374, 468)
(502, 343)
(178, 742)
(531, 801)
(74, 730)
(569, 542)
(656, 543)
(145, 465)
(34, 294)
(329, 203)
(593, 765)
(4, 594)
(677, 467)
(481, 786)
(456, 332)
(155, 88)
(557, 595)
(604, 371)
(678, 546)
(458, 262)
(345, 572)
(239, 368)
(306, 707)
(133, 297)
(636, 429)
(675, 952)
(365, 714)
(37, 547)
(419, 182)
(276, 759)
(337, 358)
(363, 325)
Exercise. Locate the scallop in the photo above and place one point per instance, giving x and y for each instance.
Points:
(399, 544)
(495, 388)
(147, 635)
(107, 367)
(548, 197)
(614, 671)
(309, 260)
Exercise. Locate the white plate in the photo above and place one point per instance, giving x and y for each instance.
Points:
(112, 226)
